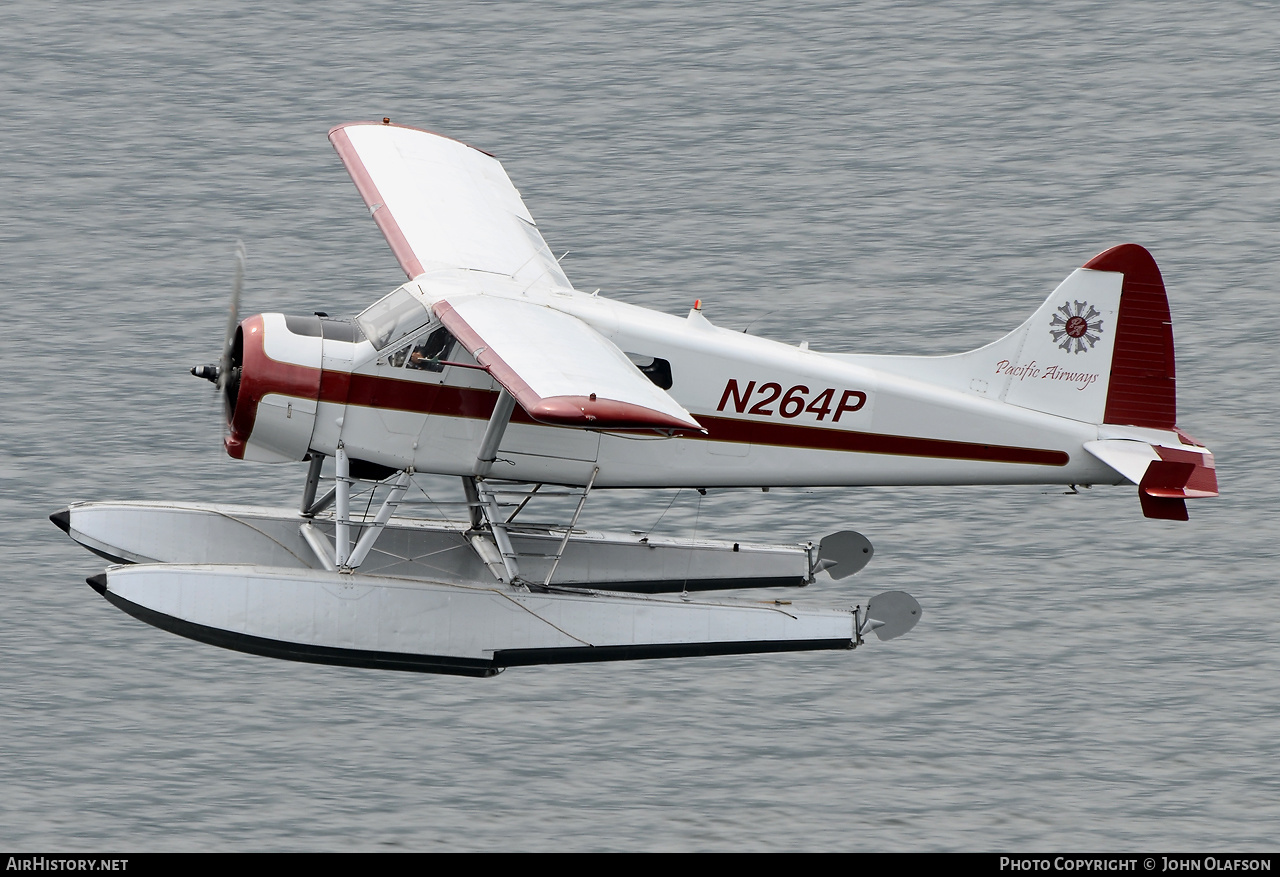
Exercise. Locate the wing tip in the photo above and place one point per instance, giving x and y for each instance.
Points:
(590, 412)
(368, 189)
(385, 122)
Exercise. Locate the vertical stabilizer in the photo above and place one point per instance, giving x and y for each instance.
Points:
(1059, 361)
(1142, 390)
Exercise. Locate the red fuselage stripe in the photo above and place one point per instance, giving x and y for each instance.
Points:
(372, 392)
(367, 391)
(726, 429)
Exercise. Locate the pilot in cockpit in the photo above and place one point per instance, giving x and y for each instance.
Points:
(428, 353)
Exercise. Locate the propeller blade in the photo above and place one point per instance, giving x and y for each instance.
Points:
(233, 319)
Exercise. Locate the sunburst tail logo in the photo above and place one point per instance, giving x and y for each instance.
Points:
(1076, 329)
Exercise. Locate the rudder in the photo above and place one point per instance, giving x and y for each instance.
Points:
(1142, 390)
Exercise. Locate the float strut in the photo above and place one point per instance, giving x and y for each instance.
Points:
(371, 533)
(342, 520)
(319, 545)
(499, 529)
(313, 481)
(569, 530)
(474, 513)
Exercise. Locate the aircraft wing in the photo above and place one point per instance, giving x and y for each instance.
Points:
(441, 202)
(560, 370)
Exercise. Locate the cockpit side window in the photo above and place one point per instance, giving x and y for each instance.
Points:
(397, 358)
(428, 352)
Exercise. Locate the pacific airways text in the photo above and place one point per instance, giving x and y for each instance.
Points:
(1032, 371)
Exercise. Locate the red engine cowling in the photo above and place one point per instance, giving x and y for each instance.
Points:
(274, 388)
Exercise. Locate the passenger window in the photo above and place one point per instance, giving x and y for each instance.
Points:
(656, 370)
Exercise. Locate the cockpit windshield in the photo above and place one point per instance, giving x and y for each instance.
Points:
(392, 318)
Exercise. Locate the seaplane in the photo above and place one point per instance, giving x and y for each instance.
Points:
(487, 365)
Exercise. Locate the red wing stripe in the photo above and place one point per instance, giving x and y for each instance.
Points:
(373, 199)
(595, 413)
(493, 363)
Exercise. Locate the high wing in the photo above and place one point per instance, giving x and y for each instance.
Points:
(559, 369)
(443, 204)
(440, 202)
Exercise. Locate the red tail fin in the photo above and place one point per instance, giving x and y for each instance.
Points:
(1142, 391)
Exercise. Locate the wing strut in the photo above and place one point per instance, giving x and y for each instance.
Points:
(493, 433)
(481, 500)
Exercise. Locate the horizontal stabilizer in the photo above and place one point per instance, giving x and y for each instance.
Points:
(560, 370)
(1166, 476)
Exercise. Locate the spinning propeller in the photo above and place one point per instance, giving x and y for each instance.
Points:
(225, 374)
